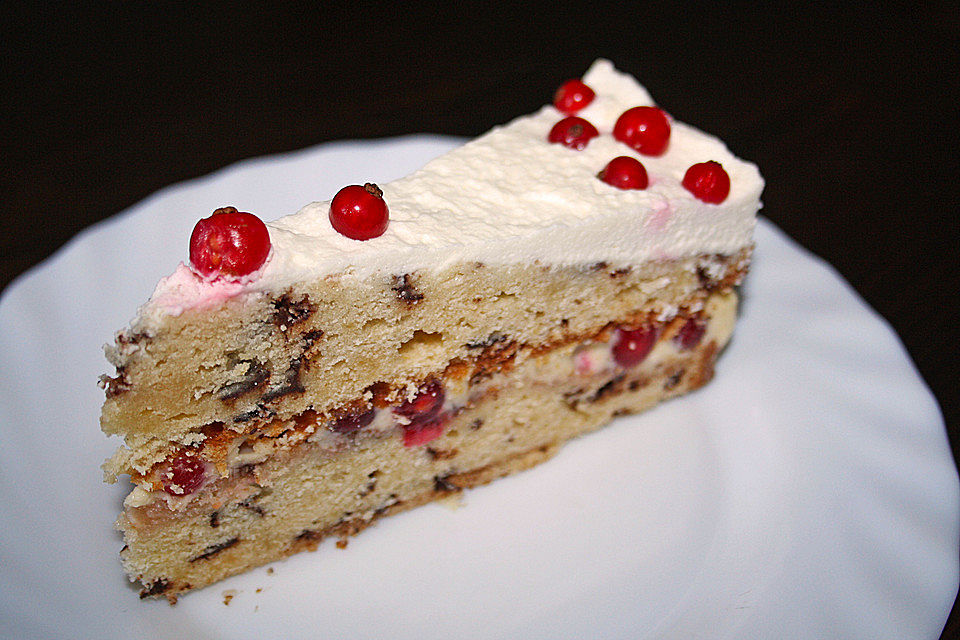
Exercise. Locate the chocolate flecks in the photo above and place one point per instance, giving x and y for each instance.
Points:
(572, 398)
(634, 385)
(290, 384)
(443, 484)
(565, 322)
(371, 485)
(705, 280)
(495, 358)
(489, 341)
(617, 273)
(478, 377)
(405, 289)
(250, 506)
(215, 519)
(310, 338)
(289, 312)
(673, 380)
(391, 500)
(116, 385)
(598, 266)
(608, 388)
(127, 339)
(476, 424)
(257, 412)
(255, 376)
(155, 588)
(214, 549)
(441, 454)
(308, 535)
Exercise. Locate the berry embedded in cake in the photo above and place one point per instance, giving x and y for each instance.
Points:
(299, 379)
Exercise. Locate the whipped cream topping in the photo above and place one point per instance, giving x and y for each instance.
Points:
(510, 196)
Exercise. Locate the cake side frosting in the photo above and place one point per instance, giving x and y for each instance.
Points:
(507, 197)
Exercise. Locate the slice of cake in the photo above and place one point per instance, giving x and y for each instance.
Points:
(302, 378)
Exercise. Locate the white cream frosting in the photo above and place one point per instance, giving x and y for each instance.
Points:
(510, 196)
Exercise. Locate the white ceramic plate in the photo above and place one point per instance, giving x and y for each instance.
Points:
(807, 492)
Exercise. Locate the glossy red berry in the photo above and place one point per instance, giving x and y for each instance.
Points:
(625, 172)
(690, 334)
(422, 432)
(426, 422)
(229, 244)
(359, 212)
(631, 346)
(573, 132)
(707, 181)
(183, 475)
(644, 129)
(572, 96)
(354, 421)
(426, 404)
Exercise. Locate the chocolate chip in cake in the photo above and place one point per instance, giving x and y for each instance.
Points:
(310, 338)
(308, 535)
(215, 519)
(116, 385)
(371, 485)
(288, 312)
(255, 376)
(443, 484)
(392, 499)
(155, 588)
(441, 454)
(608, 388)
(214, 549)
(249, 505)
(673, 380)
(405, 289)
(489, 341)
(289, 384)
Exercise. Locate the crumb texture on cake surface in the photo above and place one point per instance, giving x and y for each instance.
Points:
(291, 502)
(258, 358)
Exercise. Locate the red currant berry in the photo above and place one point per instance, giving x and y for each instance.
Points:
(229, 244)
(644, 129)
(359, 212)
(426, 404)
(183, 475)
(573, 132)
(707, 181)
(572, 96)
(633, 345)
(422, 432)
(690, 334)
(350, 422)
(625, 172)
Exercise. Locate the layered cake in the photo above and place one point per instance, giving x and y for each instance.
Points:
(301, 378)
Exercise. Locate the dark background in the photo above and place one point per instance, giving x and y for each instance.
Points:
(851, 114)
